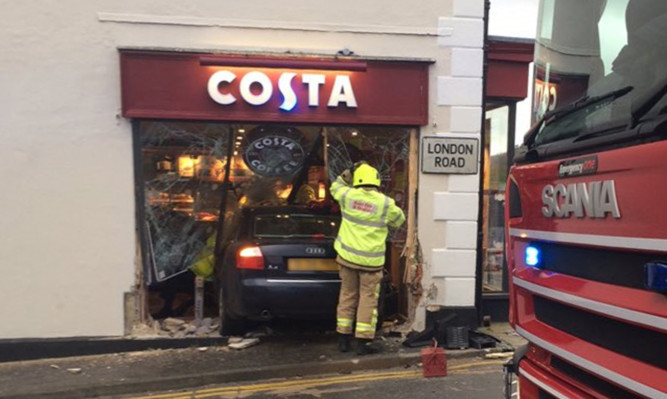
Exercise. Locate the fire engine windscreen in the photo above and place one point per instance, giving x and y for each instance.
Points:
(581, 57)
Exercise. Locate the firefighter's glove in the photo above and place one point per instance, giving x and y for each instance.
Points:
(347, 176)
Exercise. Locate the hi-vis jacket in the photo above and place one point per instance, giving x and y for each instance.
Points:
(363, 230)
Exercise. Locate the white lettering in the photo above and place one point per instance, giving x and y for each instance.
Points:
(594, 200)
(548, 201)
(214, 90)
(264, 94)
(342, 93)
(285, 87)
(607, 200)
(314, 82)
(256, 88)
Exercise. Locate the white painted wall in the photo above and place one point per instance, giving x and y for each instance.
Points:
(67, 253)
(448, 204)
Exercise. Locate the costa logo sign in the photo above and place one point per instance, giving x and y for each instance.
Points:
(341, 93)
(594, 199)
(274, 156)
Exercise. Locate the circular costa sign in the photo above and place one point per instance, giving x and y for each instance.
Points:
(274, 156)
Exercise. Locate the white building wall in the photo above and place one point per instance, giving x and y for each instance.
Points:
(68, 253)
(451, 202)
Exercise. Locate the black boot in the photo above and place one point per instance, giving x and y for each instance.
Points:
(344, 341)
(368, 347)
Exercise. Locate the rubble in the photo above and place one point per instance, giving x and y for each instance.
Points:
(178, 328)
(244, 343)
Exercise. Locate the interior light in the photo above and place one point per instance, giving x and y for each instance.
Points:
(354, 133)
(533, 256)
(321, 190)
(241, 130)
(239, 137)
(236, 153)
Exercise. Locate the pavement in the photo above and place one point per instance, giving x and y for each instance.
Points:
(155, 370)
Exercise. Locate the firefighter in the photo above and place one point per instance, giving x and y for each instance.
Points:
(360, 245)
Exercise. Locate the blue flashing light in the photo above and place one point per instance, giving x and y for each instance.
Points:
(533, 256)
(656, 276)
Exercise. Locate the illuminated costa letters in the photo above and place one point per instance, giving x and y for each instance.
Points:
(341, 92)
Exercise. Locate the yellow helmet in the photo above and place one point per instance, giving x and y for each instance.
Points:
(366, 175)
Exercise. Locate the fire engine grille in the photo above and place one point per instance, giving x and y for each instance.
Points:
(647, 346)
(621, 268)
(591, 381)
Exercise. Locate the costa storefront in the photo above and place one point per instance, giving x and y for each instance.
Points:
(287, 125)
(156, 124)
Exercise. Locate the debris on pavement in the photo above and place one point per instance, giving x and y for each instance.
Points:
(178, 328)
(75, 370)
(244, 343)
(499, 355)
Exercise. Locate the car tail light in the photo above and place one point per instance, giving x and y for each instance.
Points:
(250, 258)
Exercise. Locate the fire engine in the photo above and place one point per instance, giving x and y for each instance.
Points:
(586, 211)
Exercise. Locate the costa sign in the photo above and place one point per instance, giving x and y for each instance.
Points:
(341, 93)
(274, 156)
(266, 89)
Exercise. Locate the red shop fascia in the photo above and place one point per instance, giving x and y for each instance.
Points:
(271, 89)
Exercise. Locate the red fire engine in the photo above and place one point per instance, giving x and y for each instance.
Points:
(586, 212)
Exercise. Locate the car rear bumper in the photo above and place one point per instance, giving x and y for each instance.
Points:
(265, 298)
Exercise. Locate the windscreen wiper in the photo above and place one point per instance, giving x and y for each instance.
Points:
(646, 101)
(586, 102)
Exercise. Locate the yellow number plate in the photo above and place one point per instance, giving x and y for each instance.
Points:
(310, 264)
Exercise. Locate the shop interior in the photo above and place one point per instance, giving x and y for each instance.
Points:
(185, 197)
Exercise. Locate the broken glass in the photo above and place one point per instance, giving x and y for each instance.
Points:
(183, 175)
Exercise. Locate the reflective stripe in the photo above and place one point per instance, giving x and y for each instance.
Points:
(383, 218)
(365, 327)
(368, 223)
(395, 219)
(344, 198)
(357, 252)
(333, 193)
(651, 244)
(344, 322)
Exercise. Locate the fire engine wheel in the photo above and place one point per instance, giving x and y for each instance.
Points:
(228, 325)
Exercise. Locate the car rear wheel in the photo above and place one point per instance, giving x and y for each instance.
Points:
(228, 324)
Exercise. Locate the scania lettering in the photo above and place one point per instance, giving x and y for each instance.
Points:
(341, 92)
(595, 199)
(585, 217)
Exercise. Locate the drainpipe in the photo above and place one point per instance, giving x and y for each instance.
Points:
(480, 211)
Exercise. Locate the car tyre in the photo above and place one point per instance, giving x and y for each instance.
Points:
(228, 324)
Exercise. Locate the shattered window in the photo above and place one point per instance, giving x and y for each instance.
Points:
(184, 166)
